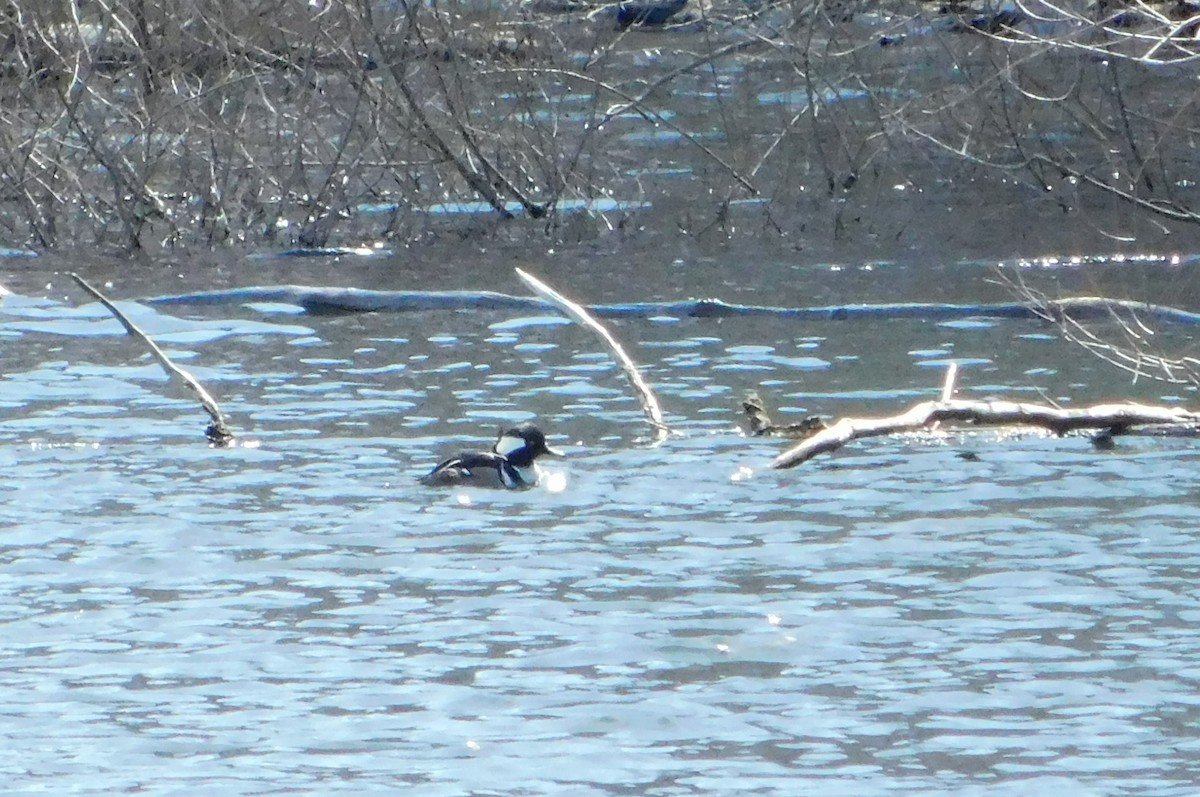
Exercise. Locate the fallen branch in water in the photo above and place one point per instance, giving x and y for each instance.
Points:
(1111, 419)
(582, 316)
(218, 432)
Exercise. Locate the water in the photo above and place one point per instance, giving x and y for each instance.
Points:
(297, 615)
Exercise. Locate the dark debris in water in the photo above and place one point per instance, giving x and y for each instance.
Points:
(761, 424)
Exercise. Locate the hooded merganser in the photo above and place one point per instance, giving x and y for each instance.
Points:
(510, 462)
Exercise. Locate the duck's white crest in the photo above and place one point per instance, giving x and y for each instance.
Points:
(509, 443)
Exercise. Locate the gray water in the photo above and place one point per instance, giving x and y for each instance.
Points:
(297, 615)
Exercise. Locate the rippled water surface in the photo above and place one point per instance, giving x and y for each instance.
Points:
(999, 615)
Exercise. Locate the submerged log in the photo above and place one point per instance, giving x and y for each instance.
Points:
(317, 299)
(1111, 419)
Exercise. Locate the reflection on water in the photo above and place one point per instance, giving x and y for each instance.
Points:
(301, 616)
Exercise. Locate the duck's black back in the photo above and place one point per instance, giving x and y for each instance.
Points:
(466, 465)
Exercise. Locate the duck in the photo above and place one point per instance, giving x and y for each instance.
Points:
(509, 464)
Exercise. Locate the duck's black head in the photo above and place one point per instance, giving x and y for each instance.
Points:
(522, 444)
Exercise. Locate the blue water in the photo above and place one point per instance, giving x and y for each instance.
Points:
(297, 615)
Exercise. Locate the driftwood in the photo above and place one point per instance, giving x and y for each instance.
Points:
(577, 313)
(218, 432)
(1110, 419)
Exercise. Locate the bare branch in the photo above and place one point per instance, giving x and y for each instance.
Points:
(1114, 418)
(1132, 356)
(580, 315)
(218, 431)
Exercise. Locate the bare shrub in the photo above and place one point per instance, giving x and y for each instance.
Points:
(134, 124)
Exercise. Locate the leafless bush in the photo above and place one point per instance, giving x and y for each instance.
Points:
(1081, 106)
(222, 121)
(131, 124)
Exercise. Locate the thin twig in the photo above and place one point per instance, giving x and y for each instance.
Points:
(638, 104)
(578, 313)
(949, 386)
(1131, 357)
(218, 431)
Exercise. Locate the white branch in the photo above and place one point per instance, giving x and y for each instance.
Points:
(218, 432)
(582, 316)
(1114, 417)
